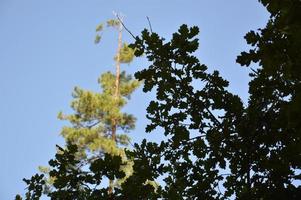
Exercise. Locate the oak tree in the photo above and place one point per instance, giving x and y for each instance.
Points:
(215, 147)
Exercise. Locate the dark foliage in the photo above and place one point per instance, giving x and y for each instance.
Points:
(72, 181)
(215, 147)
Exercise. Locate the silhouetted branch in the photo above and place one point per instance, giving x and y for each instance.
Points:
(150, 25)
(213, 116)
(130, 143)
(125, 27)
(255, 72)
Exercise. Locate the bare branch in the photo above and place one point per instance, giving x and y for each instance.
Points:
(130, 143)
(213, 116)
(125, 27)
(150, 25)
(254, 71)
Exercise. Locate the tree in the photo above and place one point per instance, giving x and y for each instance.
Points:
(254, 150)
(98, 120)
(215, 147)
(72, 180)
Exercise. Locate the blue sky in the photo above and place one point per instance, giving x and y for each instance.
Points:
(47, 48)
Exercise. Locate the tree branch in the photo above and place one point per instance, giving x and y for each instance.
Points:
(125, 27)
(213, 116)
(150, 25)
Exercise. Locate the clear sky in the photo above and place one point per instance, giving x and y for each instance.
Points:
(46, 48)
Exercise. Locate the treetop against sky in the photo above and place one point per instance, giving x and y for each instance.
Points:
(47, 49)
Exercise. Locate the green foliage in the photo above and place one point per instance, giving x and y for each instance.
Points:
(72, 181)
(95, 116)
(97, 39)
(127, 54)
(212, 139)
(113, 23)
(94, 113)
(98, 126)
(90, 130)
(99, 28)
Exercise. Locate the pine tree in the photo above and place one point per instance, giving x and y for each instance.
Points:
(208, 129)
(98, 125)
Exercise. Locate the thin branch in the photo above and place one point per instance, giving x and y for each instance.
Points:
(86, 185)
(92, 125)
(226, 174)
(150, 25)
(255, 72)
(125, 27)
(219, 189)
(130, 143)
(194, 138)
(213, 116)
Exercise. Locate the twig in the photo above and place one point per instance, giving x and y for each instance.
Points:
(255, 72)
(130, 143)
(194, 138)
(150, 25)
(125, 27)
(213, 116)
(92, 125)
(226, 174)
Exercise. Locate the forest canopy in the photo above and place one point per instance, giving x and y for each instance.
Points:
(215, 147)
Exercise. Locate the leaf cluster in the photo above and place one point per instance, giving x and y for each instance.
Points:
(72, 182)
